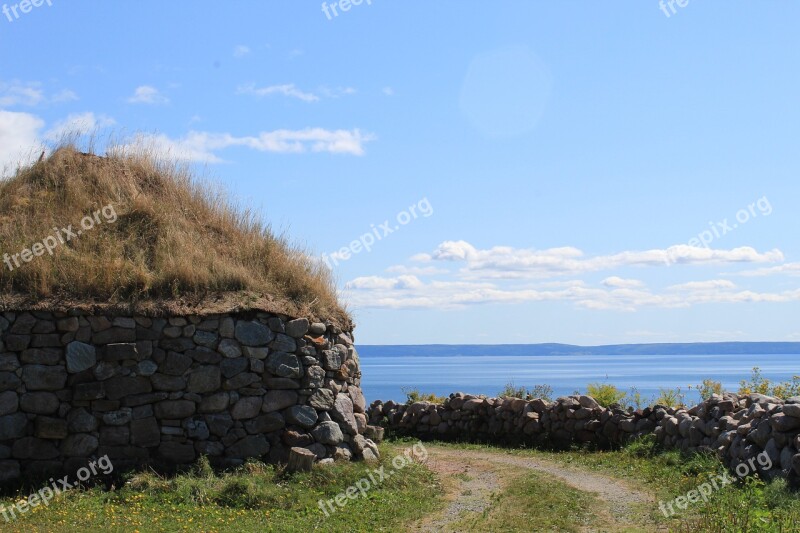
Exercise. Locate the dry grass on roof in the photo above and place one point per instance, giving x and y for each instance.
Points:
(166, 241)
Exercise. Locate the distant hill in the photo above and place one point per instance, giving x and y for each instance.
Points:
(688, 348)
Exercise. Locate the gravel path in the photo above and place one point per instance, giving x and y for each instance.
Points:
(471, 478)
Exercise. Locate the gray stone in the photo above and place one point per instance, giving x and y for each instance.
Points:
(265, 423)
(206, 338)
(162, 382)
(175, 364)
(215, 403)
(121, 352)
(51, 428)
(40, 403)
(120, 387)
(197, 429)
(219, 424)
(256, 353)
(322, 400)
(40, 377)
(315, 377)
(283, 343)
(246, 408)
(328, 433)
(81, 421)
(343, 413)
(281, 383)
(114, 336)
(227, 328)
(359, 402)
(792, 410)
(174, 409)
(297, 328)
(33, 448)
(284, 365)
(241, 380)
(229, 348)
(9, 402)
(301, 415)
(9, 362)
(204, 379)
(316, 329)
(13, 426)
(253, 333)
(332, 359)
(276, 400)
(146, 368)
(145, 432)
(118, 418)
(233, 367)
(176, 452)
(250, 446)
(41, 356)
(79, 445)
(124, 322)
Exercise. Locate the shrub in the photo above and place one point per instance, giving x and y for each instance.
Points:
(605, 394)
(670, 397)
(708, 387)
(512, 391)
(544, 392)
(414, 395)
(761, 385)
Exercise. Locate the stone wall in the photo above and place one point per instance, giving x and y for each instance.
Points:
(163, 392)
(736, 428)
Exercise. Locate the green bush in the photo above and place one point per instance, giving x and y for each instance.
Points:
(605, 394)
(414, 395)
(670, 397)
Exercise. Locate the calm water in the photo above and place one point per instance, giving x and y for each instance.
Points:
(385, 377)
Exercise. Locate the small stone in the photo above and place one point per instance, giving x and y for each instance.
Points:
(328, 433)
(301, 415)
(253, 333)
(297, 328)
(229, 348)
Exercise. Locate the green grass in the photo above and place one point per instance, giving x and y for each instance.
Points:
(749, 505)
(254, 498)
(533, 502)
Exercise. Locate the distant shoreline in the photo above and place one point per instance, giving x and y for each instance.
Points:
(689, 348)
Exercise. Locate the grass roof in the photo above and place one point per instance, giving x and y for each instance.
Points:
(157, 241)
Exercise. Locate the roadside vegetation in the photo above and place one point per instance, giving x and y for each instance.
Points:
(254, 498)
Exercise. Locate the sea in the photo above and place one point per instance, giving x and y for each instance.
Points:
(388, 377)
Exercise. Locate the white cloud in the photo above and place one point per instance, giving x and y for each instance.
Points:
(620, 283)
(388, 91)
(19, 139)
(336, 92)
(241, 51)
(30, 94)
(146, 94)
(287, 89)
(708, 285)
(201, 146)
(505, 262)
(792, 269)
(78, 124)
(411, 292)
(416, 271)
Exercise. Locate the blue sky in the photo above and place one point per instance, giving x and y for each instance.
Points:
(564, 159)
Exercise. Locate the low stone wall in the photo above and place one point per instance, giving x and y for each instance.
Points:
(163, 391)
(737, 428)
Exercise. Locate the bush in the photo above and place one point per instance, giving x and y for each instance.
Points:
(414, 395)
(544, 392)
(512, 391)
(761, 385)
(605, 394)
(670, 397)
(708, 387)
